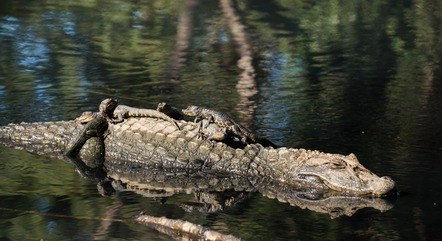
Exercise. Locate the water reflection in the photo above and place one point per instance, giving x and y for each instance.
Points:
(246, 86)
(9, 26)
(214, 192)
(33, 53)
(183, 39)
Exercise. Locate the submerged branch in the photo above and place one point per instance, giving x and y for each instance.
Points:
(183, 230)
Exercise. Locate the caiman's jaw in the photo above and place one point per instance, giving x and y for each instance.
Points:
(191, 110)
(344, 174)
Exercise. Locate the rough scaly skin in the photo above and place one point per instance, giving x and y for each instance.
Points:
(157, 143)
(122, 112)
(212, 131)
(228, 123)
(221, 119)
(96, 127)
(217, 192)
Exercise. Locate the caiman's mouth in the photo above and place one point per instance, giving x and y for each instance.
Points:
(380, 186)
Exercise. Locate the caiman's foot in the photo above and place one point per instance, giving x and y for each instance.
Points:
(105, 134)
(201, 136)
(115, 121)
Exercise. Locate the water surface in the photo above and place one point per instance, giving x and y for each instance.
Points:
(359, 77)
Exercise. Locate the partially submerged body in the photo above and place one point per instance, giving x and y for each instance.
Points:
(158, 143)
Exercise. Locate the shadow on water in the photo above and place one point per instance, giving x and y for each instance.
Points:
(357, 77)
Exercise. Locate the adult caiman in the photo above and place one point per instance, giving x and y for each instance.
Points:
(157, 143)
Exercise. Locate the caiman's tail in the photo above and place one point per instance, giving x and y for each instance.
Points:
(45, 138)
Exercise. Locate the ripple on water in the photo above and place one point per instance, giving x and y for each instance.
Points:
(27, 173)
(8, 26)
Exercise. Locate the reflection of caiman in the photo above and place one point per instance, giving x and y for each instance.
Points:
(213, 193)
(158, 143)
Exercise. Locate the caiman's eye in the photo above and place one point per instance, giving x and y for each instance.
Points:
(358, 169)
(310, 178)
(337, 164)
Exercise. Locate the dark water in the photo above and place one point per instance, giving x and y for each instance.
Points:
(359, 77)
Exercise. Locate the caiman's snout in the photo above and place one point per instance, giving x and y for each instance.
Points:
(383, 186)
(343, 174)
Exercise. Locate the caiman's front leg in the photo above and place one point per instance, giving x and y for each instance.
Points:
(209, 120)
(118, 119)
(202, 125)
(212, 132)
(96, 128)
(218, 133)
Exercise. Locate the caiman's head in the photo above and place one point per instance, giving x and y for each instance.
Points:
(342, 173)
(163, 106)
(191, 110)
(85, 117)
(108, 106)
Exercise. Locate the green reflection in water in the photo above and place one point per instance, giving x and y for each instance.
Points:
(340, 76)
(44, 198)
